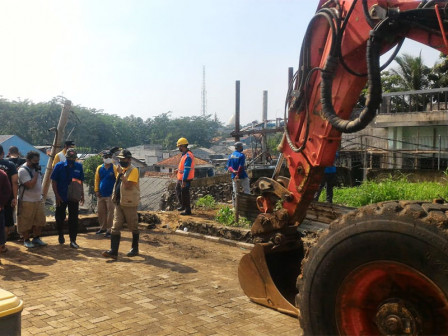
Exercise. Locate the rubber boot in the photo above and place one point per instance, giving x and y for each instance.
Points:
(134, 250)
(114, 244)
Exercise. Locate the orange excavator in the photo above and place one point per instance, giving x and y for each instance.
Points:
(379, 270)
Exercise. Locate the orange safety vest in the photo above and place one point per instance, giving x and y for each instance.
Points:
(180, 169)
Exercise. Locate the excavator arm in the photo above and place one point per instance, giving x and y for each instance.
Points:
(340, 53)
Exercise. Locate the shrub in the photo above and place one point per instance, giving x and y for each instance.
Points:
(207, 202)
(226, 217)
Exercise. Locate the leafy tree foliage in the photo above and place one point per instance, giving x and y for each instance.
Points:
(411, 74)
(95, 130)
(439, 73)
(89, 166)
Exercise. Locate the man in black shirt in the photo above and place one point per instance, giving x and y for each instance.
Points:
(14, 156)
(10, 169)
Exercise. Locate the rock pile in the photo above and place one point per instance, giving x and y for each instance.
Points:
(221, 192)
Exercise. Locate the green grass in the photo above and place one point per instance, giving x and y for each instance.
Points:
(387, 190)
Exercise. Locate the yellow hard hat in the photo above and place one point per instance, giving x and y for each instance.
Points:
(182, 141)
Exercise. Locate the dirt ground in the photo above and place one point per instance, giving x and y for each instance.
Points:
(177, 286)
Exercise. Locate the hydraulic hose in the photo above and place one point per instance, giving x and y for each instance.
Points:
(374, 88)
(306, 72)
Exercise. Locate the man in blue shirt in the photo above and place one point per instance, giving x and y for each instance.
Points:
(63, 175)
(329, 181)
(104, 185)
(235, 165)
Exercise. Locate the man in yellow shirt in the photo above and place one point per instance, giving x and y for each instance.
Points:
(61, 155)
(126, 196)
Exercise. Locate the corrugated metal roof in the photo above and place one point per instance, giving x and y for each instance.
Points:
(174, 161)
(3, 138)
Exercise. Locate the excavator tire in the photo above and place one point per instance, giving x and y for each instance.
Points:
(380, 270)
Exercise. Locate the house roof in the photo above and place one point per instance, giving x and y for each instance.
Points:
(174, 161)
(3, 138)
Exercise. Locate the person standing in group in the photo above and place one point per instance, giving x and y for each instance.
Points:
(10, 169)
(185, 174)
(64, 174)
(30, 209)
(60, 157)
(5, 191)
(126, 196)
(236, 166)
(14, 156)
(329, 181)
(105, 177)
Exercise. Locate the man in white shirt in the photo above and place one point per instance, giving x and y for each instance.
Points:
(30, 212)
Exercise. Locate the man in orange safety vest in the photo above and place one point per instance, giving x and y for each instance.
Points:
(185, 173)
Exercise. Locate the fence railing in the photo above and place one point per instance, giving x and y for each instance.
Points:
(414, 101)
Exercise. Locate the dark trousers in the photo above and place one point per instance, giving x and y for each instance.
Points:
(328, 182)
(73, 210)
(9, 217)
(2, 228)
(183, 195)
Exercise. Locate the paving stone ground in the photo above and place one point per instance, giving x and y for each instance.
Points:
(177, 286)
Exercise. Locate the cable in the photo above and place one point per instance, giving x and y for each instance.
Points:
(305, 74)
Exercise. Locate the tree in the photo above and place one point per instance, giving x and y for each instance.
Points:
(412, 73)
(89, 166)
(439, 73)
(92, 130)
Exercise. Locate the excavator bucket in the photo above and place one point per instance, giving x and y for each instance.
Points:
(268, 275)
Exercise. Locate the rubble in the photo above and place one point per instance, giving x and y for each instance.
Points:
(221, 192)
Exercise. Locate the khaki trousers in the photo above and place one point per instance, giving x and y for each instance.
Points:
(124, 214)
(30, 214)
(105, 212)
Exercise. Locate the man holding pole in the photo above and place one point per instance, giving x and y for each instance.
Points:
(235, 165)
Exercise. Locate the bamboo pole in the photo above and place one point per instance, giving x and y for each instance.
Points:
(59, 134)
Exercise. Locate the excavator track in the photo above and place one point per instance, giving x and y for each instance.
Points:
(380, 270)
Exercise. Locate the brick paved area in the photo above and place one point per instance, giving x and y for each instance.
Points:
(178, 286)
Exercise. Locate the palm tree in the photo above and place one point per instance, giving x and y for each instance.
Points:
(412, 74)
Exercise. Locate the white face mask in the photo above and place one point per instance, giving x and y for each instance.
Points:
(107, 161)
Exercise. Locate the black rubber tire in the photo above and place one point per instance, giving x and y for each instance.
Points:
(411, 233)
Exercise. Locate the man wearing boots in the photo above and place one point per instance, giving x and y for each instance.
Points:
(185, 173)
(126, 196)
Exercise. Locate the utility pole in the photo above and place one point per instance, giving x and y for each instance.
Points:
(237, 110)
(203, 94)
(264, 140)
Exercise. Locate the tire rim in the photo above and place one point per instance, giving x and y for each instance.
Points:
(390, 298)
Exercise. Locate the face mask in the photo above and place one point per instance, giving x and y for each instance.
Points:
(107, 161)
(36, 165)
(124, 164)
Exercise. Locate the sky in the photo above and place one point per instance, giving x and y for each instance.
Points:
(146, 57)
